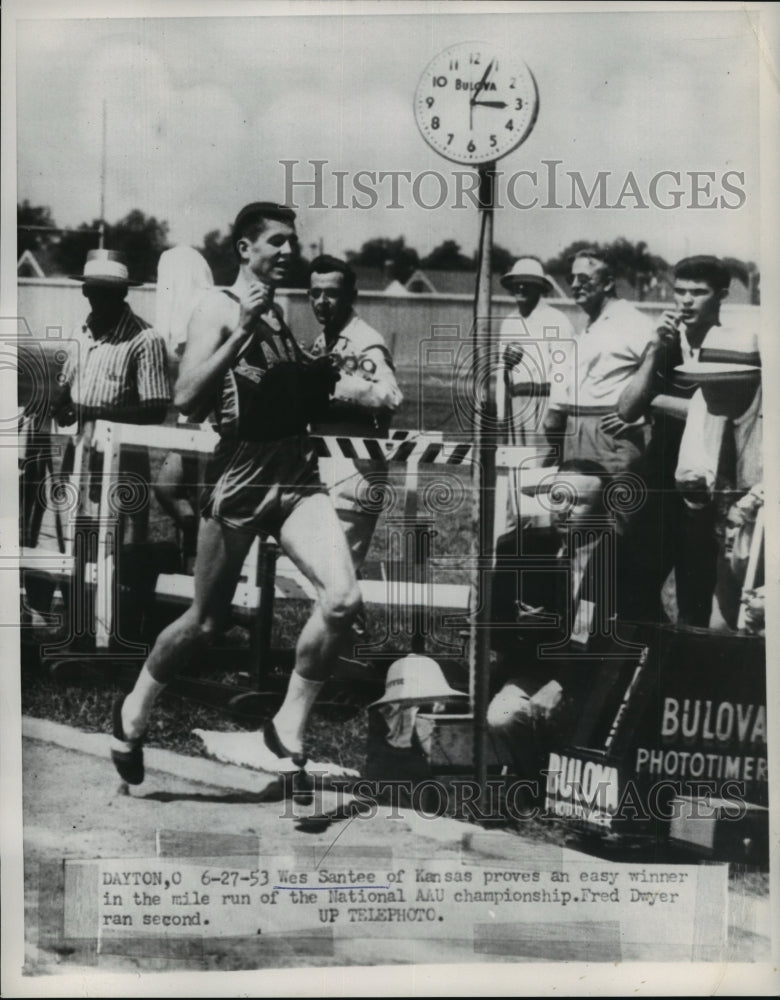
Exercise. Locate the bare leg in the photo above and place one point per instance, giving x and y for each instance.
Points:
(171, 490)
(359, 530)
(313, 538)
(221, 554)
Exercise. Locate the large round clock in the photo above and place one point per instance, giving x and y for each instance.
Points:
(475, 103)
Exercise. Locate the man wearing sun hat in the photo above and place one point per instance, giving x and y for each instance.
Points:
(117, 367)
(527, 340)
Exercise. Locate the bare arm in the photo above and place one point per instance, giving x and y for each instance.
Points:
(214, 341)
(643, 387)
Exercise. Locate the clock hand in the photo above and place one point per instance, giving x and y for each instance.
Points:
(477, 91)
(481, 85)
(488, 104)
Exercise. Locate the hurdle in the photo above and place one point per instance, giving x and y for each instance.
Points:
(261, 568)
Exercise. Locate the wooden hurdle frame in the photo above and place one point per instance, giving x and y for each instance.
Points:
(265, 572)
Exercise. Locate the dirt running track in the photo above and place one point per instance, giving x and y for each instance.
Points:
(74, 808)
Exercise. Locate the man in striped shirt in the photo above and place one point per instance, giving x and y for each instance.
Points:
(116, 369)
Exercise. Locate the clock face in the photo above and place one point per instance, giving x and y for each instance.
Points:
(475, 103)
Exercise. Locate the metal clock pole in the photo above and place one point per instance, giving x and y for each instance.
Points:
(474, 104)
(484, 472)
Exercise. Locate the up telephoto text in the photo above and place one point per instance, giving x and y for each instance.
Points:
(183, 895)
(314, 184)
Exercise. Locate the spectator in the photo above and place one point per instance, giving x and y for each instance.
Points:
(116, 369)
(571, 594)
(720, 456)
(528, 341)
(670, 533)
(183, 276)
(365, 398)
(582, 418)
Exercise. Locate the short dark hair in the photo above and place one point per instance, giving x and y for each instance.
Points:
(251, 220)
(596, 253)
(704, 267)
(325, 264)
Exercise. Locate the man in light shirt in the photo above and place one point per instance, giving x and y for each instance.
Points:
(582, 419)
(534, 349)
(364, 400)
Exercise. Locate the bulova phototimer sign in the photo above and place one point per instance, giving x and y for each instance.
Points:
(692, 726)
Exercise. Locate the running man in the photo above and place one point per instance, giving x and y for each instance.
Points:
(242, 361)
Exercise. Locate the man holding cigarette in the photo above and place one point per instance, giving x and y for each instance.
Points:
(242, 362)
(677, 527)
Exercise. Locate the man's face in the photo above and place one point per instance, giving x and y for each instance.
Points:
(698, 302)
(271, 253)
(106, 303)
(575, 497)
(330, 300)
(527, 295)
(591, 284)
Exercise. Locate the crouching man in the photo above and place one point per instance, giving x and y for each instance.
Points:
(571, 583)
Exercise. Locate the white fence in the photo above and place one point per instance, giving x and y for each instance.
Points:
(49, 305)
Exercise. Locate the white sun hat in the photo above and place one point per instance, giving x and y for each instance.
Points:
(415, 680)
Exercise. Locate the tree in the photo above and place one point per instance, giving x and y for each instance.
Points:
(42, 232)
(71, 251)
(400, 260)
(219, 254)
(631, 261)
(447, 257)
(501, 260)
(142, 238)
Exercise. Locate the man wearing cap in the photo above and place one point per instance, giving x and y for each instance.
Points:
(582, 419)
(364, 400)
(116, 368)
(242, 362)
(534, 351)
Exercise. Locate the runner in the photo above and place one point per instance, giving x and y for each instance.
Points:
(242, 361)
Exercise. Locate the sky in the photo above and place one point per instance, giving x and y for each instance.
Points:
(201, 111)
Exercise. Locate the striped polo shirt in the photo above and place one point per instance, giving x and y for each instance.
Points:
(126, 367)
